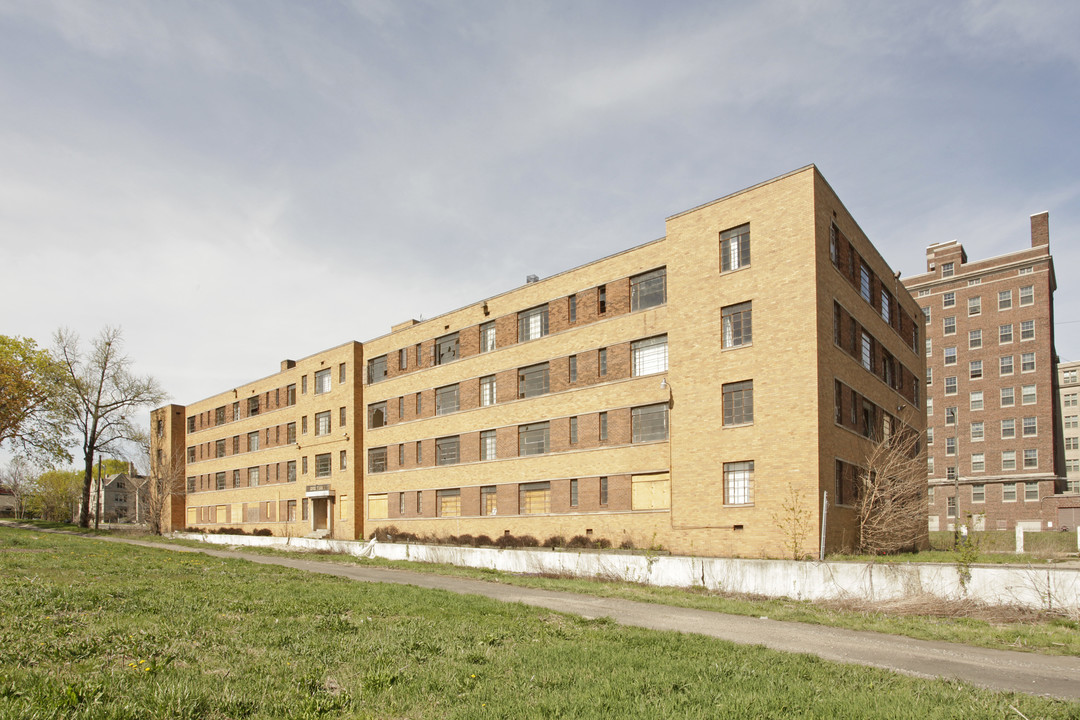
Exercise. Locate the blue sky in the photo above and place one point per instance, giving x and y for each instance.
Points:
(234, 183)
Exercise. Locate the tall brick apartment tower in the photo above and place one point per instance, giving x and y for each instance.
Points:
(992, 424)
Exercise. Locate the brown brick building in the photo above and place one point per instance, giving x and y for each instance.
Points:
(674, 394)
(993, 429)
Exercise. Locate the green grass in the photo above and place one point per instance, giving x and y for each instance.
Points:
(1003, 629)
(103, 630)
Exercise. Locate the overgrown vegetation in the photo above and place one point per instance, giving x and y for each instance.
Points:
(103, 630)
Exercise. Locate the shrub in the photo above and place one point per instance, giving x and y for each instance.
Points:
(579, 541)
(555, 541)
(481, 540)
(603, 543)
(528, 541)
(507, 541)
(626, 544)
(263, 532)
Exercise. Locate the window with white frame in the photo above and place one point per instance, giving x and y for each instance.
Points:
(977, 431)
(950, 385)
(1004, 299)
(1008, 428)
(739, 483)
(950, 416)
(950, 475)
(1072, 421)
(978, 464)
(1005, 365)
(948, 299)
(1031, 426)
(948, 269)
(976, 399)
(1031, 461)
(950, 446)
(1005, 334)
(649, 356)
(929, 347)
(886, 306)
(1027, 295)
(975, 370)
(950, 355)
(867, 355)
(926, 315)
(533, 323)
(1068, 377)
(1027, 362)
(322, 381)
(1027, 330)
(1072, 443)
(929, 376)
(1069, 400)
(930, 436)
(974, 339)
(735, 248)
(949, 325)
(930, 465)
(1008, 396)
(488, 445)
(736, 325)
(487, 391)
(978, 490)
(1028, 395)
(253, 441)
(487, 337)
(974, 306)
(1008, 462)
(929, 406)
(323, 465)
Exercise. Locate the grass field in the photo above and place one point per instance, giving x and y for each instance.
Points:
(99, 630)
(1001, 628)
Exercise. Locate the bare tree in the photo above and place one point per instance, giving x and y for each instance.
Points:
(164, 481)
(794, 521)
(100, 391)
(890, 508)
(17, 478)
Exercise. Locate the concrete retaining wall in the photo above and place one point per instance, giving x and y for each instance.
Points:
(1033, 586)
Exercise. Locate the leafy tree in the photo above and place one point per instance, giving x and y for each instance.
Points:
(59, 494)
(30, 380)
(100, 392)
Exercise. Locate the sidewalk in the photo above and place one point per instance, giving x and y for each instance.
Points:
(993, 669)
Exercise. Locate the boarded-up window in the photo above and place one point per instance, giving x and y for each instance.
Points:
(449, 502)
(377, 507)
(535, 498)
(650, 492)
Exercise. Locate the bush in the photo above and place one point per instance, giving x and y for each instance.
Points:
(579, 541)
(229, 531)
(555, 541)
(263, 532)
(603, 543)
(626, 544)
(528, 541)
(482, 540)
(507, 541)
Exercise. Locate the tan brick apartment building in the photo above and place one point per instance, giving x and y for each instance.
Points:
(993, 430)
(1068, 505)
(672, 394)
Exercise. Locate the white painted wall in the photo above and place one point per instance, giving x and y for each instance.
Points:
(1029, 586)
